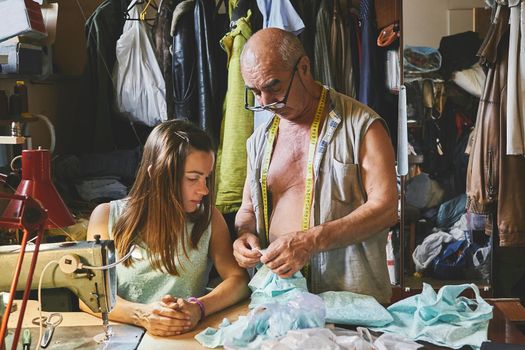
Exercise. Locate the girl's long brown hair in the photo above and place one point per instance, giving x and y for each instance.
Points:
(154, 213)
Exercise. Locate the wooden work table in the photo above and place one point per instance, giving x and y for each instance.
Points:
(502, 328)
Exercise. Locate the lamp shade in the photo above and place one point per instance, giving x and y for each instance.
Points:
(36, 183)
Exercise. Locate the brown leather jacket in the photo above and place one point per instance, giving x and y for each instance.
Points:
(495, 182)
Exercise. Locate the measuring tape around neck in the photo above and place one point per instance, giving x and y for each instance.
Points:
(309, 179)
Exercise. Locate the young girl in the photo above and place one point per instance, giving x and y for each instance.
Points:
(169, 216)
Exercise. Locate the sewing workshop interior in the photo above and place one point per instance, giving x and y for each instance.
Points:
(262, 174)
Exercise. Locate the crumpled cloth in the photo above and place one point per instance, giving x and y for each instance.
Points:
(266, 321)
(267, 287)
(280, 305)
(334, 339)
(445, 319)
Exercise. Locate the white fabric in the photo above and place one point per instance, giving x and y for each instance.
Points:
(140, 90)
(516, 81)
(337, 339)
(280, 14)
(472, 79)
(429, 249)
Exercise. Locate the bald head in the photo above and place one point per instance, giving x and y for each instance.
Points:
(281, 47)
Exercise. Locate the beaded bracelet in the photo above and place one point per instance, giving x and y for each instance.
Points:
(201, 305)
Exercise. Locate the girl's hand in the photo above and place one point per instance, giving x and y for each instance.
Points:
(163, 321)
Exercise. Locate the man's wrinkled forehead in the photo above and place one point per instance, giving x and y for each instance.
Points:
(255, 57)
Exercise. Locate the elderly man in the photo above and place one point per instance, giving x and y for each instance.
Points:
(321, 190)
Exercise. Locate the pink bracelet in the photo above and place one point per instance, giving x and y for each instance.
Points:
(201, 305)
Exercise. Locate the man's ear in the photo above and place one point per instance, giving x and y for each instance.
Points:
(149, 171)
(304, 65)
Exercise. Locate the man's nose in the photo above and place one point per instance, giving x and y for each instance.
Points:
(266, 98)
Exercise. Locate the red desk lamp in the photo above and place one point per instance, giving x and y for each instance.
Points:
(36, 205)
(36, 183)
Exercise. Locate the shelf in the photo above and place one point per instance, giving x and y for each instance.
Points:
(12, 140)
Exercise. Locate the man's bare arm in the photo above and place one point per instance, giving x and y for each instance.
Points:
(246, 247)
(245, 218)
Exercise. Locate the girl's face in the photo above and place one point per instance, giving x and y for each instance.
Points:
(197, 169)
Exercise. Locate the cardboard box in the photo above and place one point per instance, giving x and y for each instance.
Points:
(21, 17)
(21, 58)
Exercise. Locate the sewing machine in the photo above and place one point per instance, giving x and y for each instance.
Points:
(76, 269)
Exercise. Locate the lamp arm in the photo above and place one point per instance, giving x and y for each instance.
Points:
(32, 219)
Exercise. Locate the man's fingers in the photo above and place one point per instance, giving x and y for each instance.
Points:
(253, 242)
(270, 254)
(244, 261)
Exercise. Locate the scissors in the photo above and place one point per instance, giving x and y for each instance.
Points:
(50, 322)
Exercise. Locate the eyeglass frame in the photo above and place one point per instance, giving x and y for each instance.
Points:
(274, 105)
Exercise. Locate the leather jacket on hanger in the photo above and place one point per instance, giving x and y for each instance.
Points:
(183, 61)
(207, 46)
(495, 180)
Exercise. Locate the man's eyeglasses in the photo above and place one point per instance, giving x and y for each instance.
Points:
(274, 105)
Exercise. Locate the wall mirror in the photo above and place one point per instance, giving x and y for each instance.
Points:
(442, 243)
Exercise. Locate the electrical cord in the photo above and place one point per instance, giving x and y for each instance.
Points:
(106, 267)
(40, 323)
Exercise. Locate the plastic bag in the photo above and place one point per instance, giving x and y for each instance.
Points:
(140, 90)
(420, 59)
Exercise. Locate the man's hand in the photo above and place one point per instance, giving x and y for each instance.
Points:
(288, 254)
(246, 250)
(164, 318)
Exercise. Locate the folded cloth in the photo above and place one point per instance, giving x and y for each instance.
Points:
(354, 309)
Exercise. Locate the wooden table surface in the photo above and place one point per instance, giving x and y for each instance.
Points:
(501, 328)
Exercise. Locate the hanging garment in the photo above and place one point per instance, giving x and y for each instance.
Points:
(307, 10)
(340, 52)
(207, 49)
(323, 71)
(162, 41)
(183, 65)
(369, 78)
(237, 124)
(140, 92)
(516, 81)
(280, 14)
(335, 48)
(494, 180)
(93, 127)
(445, 319)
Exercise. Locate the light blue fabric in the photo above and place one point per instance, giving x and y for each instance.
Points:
(266, 321)
(444, 319)
(140, 283)
(280, 14)
(267, 287)
(354, 309)
(283, 304)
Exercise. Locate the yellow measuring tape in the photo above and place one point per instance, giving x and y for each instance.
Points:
(309, 179)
